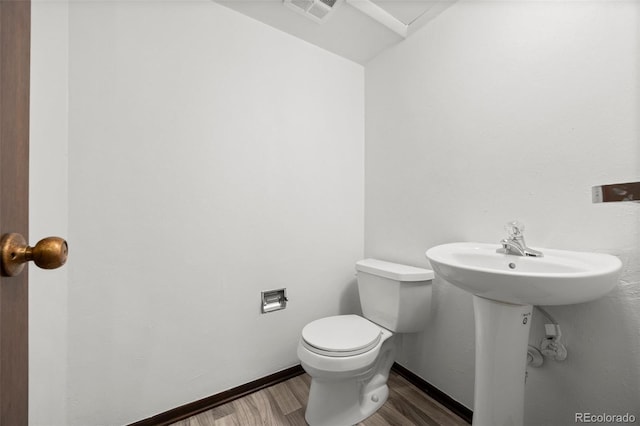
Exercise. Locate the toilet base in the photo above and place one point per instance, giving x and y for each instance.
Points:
(338, 399)
(342, 403)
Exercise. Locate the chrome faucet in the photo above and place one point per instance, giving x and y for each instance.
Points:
(514, 243)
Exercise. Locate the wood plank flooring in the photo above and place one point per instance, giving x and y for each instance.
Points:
(284, 405)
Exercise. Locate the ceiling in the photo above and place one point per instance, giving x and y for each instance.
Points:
(347, 31)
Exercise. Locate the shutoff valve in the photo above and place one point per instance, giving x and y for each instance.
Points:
(551, 346)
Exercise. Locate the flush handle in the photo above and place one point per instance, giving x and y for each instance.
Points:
(48, 253)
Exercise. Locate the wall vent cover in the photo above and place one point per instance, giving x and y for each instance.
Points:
(316, 10)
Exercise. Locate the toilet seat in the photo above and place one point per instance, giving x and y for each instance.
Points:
(341, 336)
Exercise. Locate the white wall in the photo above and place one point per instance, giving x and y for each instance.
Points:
(513, 110)
(48, 211)
(210, 157)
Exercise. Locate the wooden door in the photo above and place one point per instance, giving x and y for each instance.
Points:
(15, 31)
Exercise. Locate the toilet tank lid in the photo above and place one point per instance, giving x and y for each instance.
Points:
(393, 271)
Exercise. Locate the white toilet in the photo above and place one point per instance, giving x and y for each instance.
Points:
(349, 357)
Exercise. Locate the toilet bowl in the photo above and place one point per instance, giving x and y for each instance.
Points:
(348, 356)
(348, 380)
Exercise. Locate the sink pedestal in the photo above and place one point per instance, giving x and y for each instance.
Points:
(502, 336)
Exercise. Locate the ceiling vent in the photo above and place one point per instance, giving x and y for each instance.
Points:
(316, 10)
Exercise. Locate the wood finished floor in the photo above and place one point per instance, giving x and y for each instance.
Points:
(284, 404)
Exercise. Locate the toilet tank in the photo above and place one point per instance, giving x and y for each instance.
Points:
(394, 296)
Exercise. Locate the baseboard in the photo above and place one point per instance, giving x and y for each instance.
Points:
(205, 404)
(435, 393)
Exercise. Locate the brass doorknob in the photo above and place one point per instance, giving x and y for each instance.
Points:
(49, 253)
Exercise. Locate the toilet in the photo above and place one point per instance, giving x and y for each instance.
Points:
(348, 356)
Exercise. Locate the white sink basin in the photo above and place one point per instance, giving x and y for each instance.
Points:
(559, 278)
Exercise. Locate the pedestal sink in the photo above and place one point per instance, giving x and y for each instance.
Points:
(505, 287)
